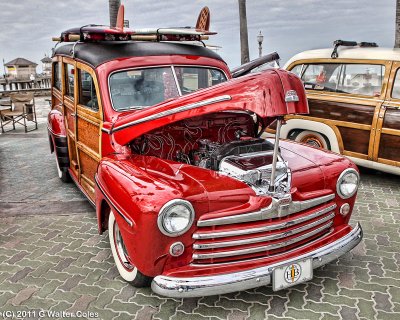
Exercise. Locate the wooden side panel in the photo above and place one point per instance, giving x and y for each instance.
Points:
(355, 113)
(355, 140)
(74, 165)
(389, 147)
(89, 134)
(392, 119)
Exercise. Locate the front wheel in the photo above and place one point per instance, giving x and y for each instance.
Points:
(311, 138)
(125, 267)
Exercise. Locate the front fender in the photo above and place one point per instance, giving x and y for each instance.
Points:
(136, 187)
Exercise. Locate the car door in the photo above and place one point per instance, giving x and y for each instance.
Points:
(388, 128)
(88, 126)
(69, 112)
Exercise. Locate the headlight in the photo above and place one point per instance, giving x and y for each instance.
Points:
(347, 183)
(175, 217)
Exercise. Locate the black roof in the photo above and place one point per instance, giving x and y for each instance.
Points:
(97, 53)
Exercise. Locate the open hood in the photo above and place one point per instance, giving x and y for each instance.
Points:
(270, 94)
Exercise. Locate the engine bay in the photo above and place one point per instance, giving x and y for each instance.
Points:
(225, 142)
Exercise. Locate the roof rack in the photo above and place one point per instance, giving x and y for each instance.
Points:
(338, 43)
(96, 33)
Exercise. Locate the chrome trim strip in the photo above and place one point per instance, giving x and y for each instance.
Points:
(175, 110)
(276, 256)
(176, 81)
(270, 237)
(274, 210)
(270, 227)
(105, 130)
(175, 287)
(223, 254)
(128, 221)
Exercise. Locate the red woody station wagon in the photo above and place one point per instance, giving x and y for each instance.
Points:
(166, 145)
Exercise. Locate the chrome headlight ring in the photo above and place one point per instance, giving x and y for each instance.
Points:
(347, 184)
(175, 217)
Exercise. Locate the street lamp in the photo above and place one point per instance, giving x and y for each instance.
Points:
(260, 39)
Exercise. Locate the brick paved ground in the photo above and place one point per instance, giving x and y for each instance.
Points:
(52, 258)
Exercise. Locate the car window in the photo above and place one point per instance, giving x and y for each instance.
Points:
(361, 79)
(87, 91)
(324, 77)
(69, 80)
(191, 79)
(138, 88)
(57, 75)
(396, 86)
(297, 70)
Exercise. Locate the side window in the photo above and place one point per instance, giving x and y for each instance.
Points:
(297, 70)
(87, 91)
(396, 86)
(322, 77)
(69, 80)
(57, 75)
(363, 79)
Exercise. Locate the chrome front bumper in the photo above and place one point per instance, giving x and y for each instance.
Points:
(243, 280)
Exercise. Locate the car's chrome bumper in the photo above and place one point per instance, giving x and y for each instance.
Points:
(237, 281)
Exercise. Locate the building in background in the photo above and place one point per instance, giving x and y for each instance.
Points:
(20, 69)
(46, 65)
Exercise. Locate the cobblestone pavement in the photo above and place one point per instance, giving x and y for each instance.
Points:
(51, 257)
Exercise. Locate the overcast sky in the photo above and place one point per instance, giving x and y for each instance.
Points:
(289, 26)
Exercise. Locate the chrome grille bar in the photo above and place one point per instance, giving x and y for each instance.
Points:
(223, 254)
(270, 227)
(274, 210)
(280, 235)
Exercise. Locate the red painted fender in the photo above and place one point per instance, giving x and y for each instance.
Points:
(55, 122)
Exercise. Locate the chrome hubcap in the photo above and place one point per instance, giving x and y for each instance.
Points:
(312, 141)
(121, 249)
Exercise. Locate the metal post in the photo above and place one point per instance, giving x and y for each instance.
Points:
(275, 155)
(260, 39)
(244, 40)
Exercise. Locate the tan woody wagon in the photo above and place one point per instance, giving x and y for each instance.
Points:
(354, 98)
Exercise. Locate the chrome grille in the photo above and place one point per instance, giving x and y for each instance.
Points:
(248, 235)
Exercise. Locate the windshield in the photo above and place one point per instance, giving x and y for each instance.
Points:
(141, 88)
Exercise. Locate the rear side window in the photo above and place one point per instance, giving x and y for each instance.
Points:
(396, 86)
(87, 91)
(57, 75)
(69, 80)
(359, 79)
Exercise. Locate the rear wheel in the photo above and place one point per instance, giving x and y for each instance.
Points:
(63, 175)
(126, 268)
(311, 138)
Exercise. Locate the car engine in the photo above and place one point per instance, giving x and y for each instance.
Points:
(248, 160)
(223, 142)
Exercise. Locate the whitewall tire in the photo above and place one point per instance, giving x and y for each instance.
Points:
(125, 267)
(311, 138)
